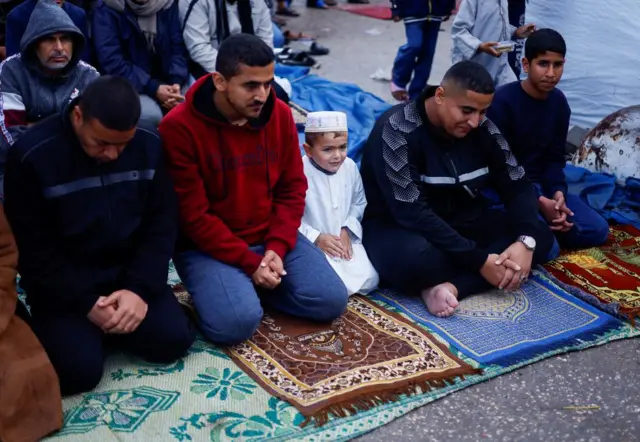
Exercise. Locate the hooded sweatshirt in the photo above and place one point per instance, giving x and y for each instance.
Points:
(28, 94)
(237, 186)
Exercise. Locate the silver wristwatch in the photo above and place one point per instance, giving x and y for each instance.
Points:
(528, 242)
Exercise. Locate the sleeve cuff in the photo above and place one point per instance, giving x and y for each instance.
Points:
(280, 247)
(151, 88)
(474, 259)
(86, 303)
(250, 262)
(354, 227)
(312, 235)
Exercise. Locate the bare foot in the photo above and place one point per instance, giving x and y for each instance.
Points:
(400, 96)
(441, 300)
(399, 93)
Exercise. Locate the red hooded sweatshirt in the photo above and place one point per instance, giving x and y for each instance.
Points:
(237, 186)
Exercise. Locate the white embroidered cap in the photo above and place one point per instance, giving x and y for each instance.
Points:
(326, 121)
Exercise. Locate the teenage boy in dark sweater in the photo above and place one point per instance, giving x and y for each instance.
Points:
(533, 115)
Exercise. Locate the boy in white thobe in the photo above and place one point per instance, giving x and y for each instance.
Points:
(478, 27)
(335, 201)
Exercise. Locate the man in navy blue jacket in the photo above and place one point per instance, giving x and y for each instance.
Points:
(422, 21)
(427, 226)
(141, 40)
(18, 19)
(534, 117)
(94, 216)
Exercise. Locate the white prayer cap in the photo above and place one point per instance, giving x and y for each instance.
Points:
(326, 122)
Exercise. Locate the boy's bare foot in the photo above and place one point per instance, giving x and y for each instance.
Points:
(441, 300)
(399, 93)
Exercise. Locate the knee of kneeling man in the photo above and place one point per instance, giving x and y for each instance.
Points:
(173, 347)
(80, 377)
(602, 232)
(234, 330)
(332, 304)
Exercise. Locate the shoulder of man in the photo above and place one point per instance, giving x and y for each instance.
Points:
(38, 141)
(12, 67)
(87, 69)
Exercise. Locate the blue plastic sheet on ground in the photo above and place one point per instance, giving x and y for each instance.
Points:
(615, 202)
(314, 93)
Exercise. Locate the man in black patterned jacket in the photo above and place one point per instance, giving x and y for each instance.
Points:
(428, 226)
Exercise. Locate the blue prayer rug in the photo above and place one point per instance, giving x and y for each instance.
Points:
(504, 328)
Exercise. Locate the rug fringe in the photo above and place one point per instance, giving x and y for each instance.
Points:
(366, 402)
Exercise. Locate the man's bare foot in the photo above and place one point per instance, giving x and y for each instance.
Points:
(441, 300)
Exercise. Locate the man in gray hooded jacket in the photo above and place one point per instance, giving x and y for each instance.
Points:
(45, 76)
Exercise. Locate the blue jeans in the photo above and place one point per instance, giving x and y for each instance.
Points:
(278, 36)
(589, 229)
(229, 306)
(416, 56)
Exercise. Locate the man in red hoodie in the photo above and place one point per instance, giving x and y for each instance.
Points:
(237, 169)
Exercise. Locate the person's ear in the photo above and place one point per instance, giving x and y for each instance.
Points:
(219, 82)
(439, 95)
(76, 115)
(307, 149)
(525, 65)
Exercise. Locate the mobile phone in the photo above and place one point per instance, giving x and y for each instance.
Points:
(505, 46)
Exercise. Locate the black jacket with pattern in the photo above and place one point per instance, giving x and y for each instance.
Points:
(416, 177)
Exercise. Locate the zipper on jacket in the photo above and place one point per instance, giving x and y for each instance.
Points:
(455, 170)
(430, 9)
(106, 191)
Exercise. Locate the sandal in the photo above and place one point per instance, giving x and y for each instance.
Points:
(295, 58)
(318, 49)
(287, 12)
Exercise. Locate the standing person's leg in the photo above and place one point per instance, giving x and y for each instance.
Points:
(151, 113)
(224, 297)
(589, 229)
(164, 335)
(431, 30)
(75, 348)
(405, 62)
(311, 288)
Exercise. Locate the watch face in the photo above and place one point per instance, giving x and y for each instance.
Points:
(530, 242)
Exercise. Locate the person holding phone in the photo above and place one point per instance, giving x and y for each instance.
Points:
(478, 31)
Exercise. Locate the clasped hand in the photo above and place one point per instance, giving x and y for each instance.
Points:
(555, 211)
(270, 272)
(510, 269)
(119, 313)
(336, 246)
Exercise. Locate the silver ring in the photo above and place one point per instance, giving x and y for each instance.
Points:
(523, 278)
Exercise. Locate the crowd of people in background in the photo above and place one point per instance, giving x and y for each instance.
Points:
(137, 131)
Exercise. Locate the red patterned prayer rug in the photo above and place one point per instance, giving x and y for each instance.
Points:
(611, 273)
(367, 357)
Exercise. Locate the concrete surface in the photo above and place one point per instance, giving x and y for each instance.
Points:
(526, 405)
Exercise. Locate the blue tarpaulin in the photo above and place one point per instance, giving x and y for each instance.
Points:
(617, 203)
(314, 93)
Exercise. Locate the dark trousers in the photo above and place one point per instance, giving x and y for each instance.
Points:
(76, 347)
(415, 58)
(405, 259)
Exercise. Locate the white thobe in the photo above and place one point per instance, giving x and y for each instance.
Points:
(479, 21)
(333, 202)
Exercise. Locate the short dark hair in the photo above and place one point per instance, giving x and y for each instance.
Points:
(470, 76)
(113, 101)
(244, 49)
(544, 40)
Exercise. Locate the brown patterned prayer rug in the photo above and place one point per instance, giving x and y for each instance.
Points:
(611, 272)
(367, 357)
